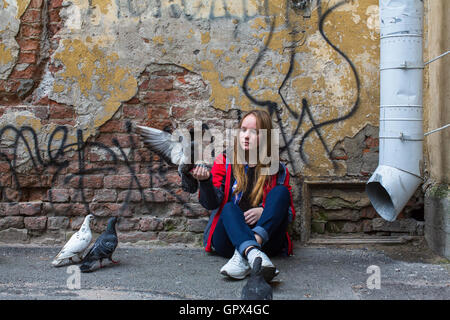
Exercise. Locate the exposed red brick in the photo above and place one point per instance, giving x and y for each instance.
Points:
(116, 181)
(157, 112)
(151, 224)
(134, 111)
(9, 209)
(179, 112)
(133, 100)
(27, 57)
(92, 181)
(155, 195)
(35, 223)
(55, 4)
(123, 139)
(37, 194)
(34, 180)
(163, 97)
(54, 27)
(36, 4)
(65, 209)
(54, 16)
(31, 15)
(181, 79)
(28, 44)
(61, 112)
(30, 30)
(76, 195)
(109, 209)
(160, 84)
(63, 122)
(58, 195)
(113, 126)
(23, 74)
(105, 195)
(144, 85)
(128, 224)
(11, 222)
(30, 208)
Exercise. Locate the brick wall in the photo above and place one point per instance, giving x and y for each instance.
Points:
(111, 174)
(48, 186)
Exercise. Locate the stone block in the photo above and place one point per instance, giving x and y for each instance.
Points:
(401, 225)
(30, 208)
(318, 226)
(128, 224)
(196, 225)
(105, 195)
(137, 236)
(11, 222)
(151, 224)
(35, 223)
(13, 235)
(58, 195)
(58, 223)
(176, 237)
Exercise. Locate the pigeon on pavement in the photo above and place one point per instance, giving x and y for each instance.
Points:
(103, 248)
(174, 152)
(76, 245)
(256, 287)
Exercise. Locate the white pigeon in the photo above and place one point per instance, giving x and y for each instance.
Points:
(77, 244)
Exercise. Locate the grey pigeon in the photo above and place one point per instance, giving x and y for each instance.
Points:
(103, 248)
(174, 153)
(256, 287)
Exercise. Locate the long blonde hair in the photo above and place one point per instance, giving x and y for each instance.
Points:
(263, 121)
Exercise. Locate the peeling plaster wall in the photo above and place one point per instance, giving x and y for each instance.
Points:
(105, 45)
(96, 66)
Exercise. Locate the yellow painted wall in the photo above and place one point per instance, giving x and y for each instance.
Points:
(105, 45)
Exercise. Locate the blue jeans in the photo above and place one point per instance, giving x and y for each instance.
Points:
(232, 232)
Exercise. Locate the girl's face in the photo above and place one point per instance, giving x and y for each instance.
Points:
(248, 133)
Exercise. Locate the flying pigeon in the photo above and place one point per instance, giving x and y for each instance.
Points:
(103, 248)
(174, 153)
(256, 287)
(77, 244)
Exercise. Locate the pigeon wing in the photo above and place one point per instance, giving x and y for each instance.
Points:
(76, 244)
(107, 245)
(161, 142)
(102, 248)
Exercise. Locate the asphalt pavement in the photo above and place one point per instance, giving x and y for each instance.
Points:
(184, 273)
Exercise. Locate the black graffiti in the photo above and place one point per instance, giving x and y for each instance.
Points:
(274, 108)
(57, 151)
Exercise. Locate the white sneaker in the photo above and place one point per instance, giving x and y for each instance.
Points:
(268, 269)
(237, 267)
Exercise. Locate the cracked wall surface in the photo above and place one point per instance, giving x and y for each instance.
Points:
(75, 76)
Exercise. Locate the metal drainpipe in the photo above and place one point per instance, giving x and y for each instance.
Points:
(401, 116)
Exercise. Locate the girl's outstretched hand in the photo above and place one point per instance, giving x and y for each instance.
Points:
(200, 173)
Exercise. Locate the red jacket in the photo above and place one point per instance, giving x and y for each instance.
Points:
(215, 198)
